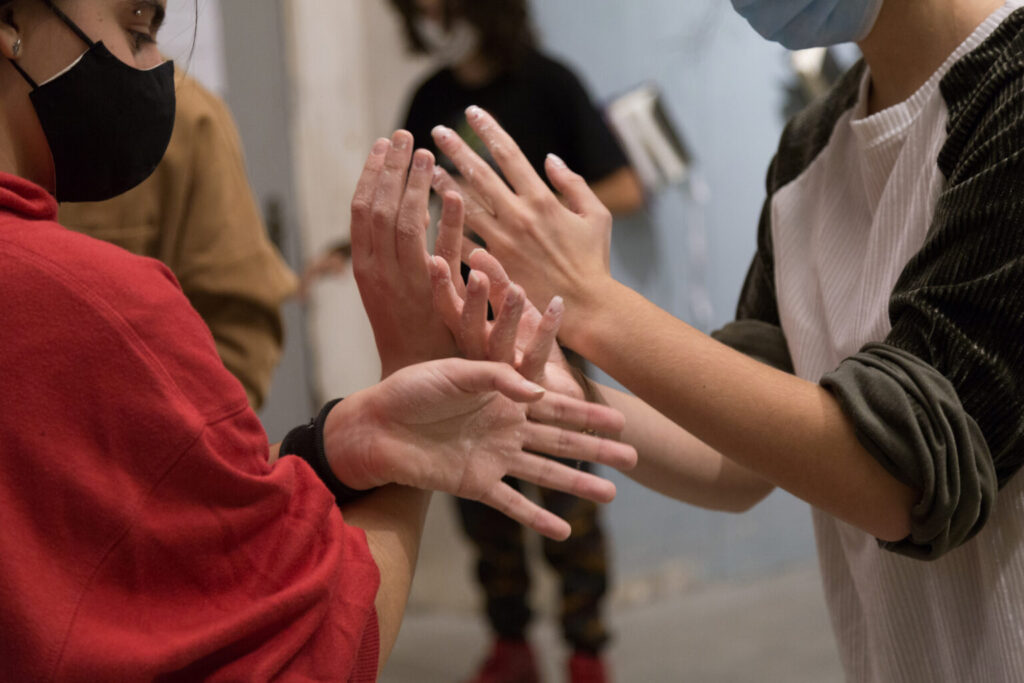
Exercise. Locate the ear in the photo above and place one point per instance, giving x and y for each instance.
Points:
(10, 35)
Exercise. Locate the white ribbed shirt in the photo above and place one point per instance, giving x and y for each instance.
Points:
(842, 232)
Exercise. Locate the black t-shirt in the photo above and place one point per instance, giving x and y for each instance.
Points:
(542, 105)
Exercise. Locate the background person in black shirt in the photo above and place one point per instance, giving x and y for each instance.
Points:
(488, 58)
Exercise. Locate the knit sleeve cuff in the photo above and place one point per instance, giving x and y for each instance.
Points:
(909, 418)
(759, 340)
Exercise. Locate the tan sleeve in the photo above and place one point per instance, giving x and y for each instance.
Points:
(227, 266)
(198, 215)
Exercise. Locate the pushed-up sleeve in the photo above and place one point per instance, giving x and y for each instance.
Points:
(940, 402)
(756, 331)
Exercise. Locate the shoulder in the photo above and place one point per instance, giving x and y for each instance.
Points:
(984, 93)
(100, 304)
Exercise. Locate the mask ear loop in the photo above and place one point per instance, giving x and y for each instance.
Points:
(72, 25)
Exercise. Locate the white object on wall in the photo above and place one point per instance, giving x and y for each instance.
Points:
(203, 60)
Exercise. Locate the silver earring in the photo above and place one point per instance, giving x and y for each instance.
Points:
(16, 48)
(138, 13)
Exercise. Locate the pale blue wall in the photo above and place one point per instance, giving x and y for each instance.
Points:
(723, 84)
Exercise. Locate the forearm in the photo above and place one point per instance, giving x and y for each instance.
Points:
(393, 519)
(789, 431)
(675, 463)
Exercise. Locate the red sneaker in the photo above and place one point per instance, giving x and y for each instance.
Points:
(587, 668)
(510, 661)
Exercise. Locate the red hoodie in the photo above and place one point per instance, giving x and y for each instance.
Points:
(142, 532)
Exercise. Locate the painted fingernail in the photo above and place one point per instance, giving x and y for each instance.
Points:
(422, 160)
(381, 146)
(441, 132)
(557, 161)
(474, 112)
(400, 140)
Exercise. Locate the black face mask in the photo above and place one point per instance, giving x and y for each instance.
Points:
(108, 124)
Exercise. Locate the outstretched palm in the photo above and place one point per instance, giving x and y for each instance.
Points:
(460, 426)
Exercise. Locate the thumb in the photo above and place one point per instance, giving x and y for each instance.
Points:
(572, 186)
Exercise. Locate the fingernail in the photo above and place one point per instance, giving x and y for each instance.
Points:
(557, 305)
(475, 280)
(530, 386)
(422, 160)
(400, 140)
(557, 161)
(441, 132)
(474, 112)
(381, 146)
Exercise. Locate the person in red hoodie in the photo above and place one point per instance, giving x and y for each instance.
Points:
(149, 529)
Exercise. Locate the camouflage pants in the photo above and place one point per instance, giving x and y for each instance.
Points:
(581, 563)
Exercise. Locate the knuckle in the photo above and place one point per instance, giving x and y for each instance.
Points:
(360, 209)
(522, 220)
(382, 215)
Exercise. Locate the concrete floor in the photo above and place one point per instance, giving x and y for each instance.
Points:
(773, 630)
(666, 627)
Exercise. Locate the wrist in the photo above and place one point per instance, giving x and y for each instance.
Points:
(348, 431)
(584, 312)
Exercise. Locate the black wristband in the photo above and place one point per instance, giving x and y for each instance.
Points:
(307, 442)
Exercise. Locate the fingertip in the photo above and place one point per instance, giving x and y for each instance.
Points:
(401, 139)
(556, 307)
(381, 146)
(607, 493)
(556, 162)
(441, 133)
(423, 160)
(560, 533)
(514, 295)
(439, 268)
(632, 459)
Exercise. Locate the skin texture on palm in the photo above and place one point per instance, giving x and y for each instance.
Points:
(460, 427)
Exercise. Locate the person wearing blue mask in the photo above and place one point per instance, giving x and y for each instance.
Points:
(150, 531)
(874, 368)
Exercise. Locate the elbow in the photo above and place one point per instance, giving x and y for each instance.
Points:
(894, 528)
(745, 499)
(892, 520)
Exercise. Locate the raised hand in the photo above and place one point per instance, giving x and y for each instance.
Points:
(460, 426)
(389, 254)
(548, 247)
(520, 334)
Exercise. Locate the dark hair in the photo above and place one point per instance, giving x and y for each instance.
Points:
(505, 29)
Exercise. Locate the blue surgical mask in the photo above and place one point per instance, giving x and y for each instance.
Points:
(800, 24)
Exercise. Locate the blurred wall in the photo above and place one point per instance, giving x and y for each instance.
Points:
(348, 77)
(723, 86)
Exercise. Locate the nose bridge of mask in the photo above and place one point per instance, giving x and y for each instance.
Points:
(78, 32)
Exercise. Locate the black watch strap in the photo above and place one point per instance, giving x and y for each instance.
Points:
(307, 442)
